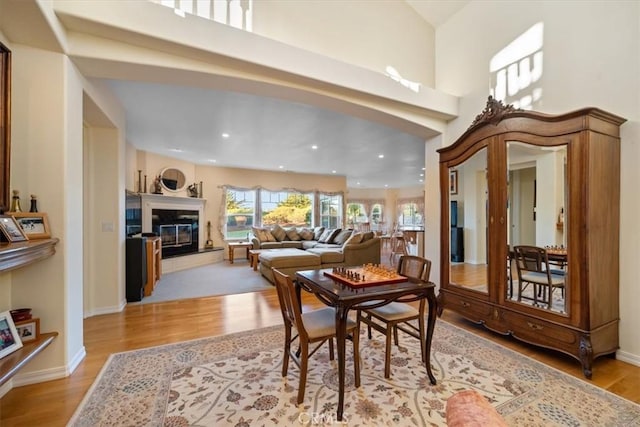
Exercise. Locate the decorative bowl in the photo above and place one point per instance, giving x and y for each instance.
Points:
(20, 314)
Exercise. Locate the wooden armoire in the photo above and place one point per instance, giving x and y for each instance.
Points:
(551, 181)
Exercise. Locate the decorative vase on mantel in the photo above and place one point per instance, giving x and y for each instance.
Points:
(157, 188)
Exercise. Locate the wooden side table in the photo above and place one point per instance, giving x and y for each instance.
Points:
(154, 264)
(236, 245)
(254, 257)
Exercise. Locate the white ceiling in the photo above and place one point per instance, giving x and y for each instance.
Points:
(269, 134)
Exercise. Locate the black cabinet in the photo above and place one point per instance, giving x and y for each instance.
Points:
(457, 244)
(136, 268)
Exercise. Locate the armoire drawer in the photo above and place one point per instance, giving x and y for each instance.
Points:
(540, 332)
(469, 307)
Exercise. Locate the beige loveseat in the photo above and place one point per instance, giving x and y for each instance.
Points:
(327, 249)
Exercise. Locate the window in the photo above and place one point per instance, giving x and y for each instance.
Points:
(245, 208)
(376, 213)
(409, 214)
(330, 211)
(286, 208)
(356, 214)
(240, 211)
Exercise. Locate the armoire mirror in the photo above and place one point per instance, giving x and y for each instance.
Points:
(468, 220)
(536, 208)
(173, 179)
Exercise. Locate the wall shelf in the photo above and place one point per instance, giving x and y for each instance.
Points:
(12, 256)
(12, 363)
(19, 254)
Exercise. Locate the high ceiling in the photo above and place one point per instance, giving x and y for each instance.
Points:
(270, 134)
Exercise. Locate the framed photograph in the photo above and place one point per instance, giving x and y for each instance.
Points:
(34, 224)
(28, 330)
(453, 182)
(9, 337)
(11, 230)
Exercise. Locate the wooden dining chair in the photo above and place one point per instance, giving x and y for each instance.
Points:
(313, 327)
(388, 318)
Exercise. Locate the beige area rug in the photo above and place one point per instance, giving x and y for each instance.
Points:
(220, 278)
(236, 380)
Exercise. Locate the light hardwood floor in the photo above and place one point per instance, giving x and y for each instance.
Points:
(138, 326)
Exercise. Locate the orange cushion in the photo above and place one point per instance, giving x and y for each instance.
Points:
(469, 408)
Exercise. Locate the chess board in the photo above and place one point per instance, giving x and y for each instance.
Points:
(367, 275)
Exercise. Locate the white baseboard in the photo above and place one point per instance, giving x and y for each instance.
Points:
(51, 373)
(624, 356)
(170, 265)
(105, 310)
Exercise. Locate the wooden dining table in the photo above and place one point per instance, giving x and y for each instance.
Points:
(344, 298)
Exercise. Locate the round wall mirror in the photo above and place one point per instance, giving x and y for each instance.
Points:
(172, 179)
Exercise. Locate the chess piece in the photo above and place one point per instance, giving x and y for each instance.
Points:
(34, 204)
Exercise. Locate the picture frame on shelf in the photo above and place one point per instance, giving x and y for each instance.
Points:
(11, 229)
(35, 225)
(9, 337)
(28, 330)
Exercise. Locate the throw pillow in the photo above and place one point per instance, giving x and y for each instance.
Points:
(270, 237)
(326, 234)
(260, 233)
(306, 234)
(342, 237)
(279, 233)
(292, 234)
(317, 232)
(354, 239)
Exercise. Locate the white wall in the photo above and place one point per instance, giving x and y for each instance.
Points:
(47, 161)
(380, 34)
(591, 58)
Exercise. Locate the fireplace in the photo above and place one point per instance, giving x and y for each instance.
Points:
(178, 230)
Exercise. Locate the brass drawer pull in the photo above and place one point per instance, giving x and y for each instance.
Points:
(534, 326)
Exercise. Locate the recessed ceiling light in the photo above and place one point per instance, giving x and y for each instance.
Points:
(381, 156)
(421, 180)
(423, 168)
(333, 171)
(421, 174)
(357, 183)
(176, 150)
(280, 167)
(212, 160)
(225, 135)
(386, 185)
(314, 147)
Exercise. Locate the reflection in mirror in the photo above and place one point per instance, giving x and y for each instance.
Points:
(468, 219)
(536, 237)
(172, 179)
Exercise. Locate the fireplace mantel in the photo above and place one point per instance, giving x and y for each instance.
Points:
(160, 198)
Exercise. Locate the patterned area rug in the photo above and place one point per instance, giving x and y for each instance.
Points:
(236, 380)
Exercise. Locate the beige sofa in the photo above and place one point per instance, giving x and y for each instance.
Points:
(343, 248)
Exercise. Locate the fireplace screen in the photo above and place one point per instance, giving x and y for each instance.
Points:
(175, 234)
(178, 230)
